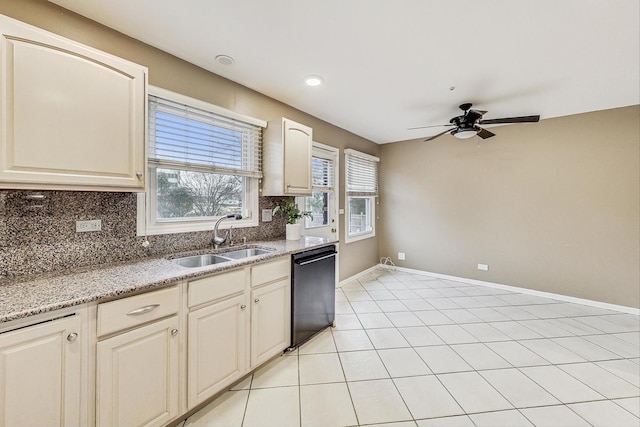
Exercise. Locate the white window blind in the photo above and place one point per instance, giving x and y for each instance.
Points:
(361, 172)
(321, 174)
(186, 137)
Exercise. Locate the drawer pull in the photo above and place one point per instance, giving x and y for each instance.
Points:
(72, 337)
(257, 300)
(243, 307)
(143, 310)
(174, 332)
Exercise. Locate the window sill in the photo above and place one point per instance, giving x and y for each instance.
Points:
(187, 227)
(146, 228)
(358, 237)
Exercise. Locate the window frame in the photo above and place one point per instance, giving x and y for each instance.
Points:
(354, 237)
(329, 153)
(371, 195)
(147, 223)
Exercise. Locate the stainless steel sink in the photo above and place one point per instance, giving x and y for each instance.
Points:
(211, 259)
(245, 253)
(200, 260)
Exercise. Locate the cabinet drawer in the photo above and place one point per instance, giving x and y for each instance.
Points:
(270, 271)
(132, 311)
(216, 287)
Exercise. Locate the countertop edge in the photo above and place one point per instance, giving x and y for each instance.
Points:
(117, 280)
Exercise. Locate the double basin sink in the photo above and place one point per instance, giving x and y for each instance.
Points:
(211, 259)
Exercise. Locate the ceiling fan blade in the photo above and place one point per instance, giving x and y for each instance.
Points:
(522, 119)
(431, 138)
(434, 126)
(484, 134)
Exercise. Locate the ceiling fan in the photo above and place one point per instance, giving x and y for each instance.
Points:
(468, 124)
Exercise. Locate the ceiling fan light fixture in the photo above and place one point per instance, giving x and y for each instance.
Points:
(464, 133)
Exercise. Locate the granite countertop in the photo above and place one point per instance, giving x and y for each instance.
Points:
(27, 296)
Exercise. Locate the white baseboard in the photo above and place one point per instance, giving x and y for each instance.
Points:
(356, 276)
(559, 297)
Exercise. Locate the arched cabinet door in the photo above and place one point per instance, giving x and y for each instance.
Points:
(297, 158)
(71, 117)
(286, 158)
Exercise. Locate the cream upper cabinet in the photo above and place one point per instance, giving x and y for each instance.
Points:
(287, 159)
(41, 374)
(71, 117)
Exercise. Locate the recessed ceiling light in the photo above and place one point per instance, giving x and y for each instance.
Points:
(313, 80)
(224, 59)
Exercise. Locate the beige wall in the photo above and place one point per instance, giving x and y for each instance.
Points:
(171, 73)
(552, 206)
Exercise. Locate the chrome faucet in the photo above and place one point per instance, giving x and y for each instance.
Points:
(217, 240)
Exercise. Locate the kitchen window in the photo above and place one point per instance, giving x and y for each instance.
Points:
(322, 188)
(361, 172)
(204, 162)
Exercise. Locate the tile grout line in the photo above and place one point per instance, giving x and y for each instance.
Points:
(346, 383)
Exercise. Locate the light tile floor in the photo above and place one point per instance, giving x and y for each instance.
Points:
(413, 350)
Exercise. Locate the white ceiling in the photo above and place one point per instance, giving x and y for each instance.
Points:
(388, 65)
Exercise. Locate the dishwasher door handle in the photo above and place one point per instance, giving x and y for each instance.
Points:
(311, 261)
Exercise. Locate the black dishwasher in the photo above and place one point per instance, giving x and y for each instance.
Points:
(313, 293)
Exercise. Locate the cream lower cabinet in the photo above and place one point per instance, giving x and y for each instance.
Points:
(237, 320)
(270, 320)
(218, 339)
(218, 347)
(138, 366)
(270, 309)
(41, 374)
(138, 375)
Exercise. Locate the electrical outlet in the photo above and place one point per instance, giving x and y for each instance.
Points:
(90, 225)
(267, 215)
(483, 267)
(401, 256)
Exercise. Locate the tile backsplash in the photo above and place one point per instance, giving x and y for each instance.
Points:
(39, 235)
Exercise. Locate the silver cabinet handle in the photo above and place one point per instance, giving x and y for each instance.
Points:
(139, 175)
(72, 337)
(257, 300)
(243, 307)
(174, 332)
(143, 310)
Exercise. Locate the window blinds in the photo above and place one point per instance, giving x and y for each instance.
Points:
(185, 137)
(321, 174)
(361, 172)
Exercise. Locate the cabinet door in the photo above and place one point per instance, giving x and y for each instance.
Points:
(40, 377)
(297, 158)
(270, 320)
(137, 376)
(218, 348)
(71, 117)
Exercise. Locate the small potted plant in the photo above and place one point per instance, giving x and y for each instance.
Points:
(293, 213)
